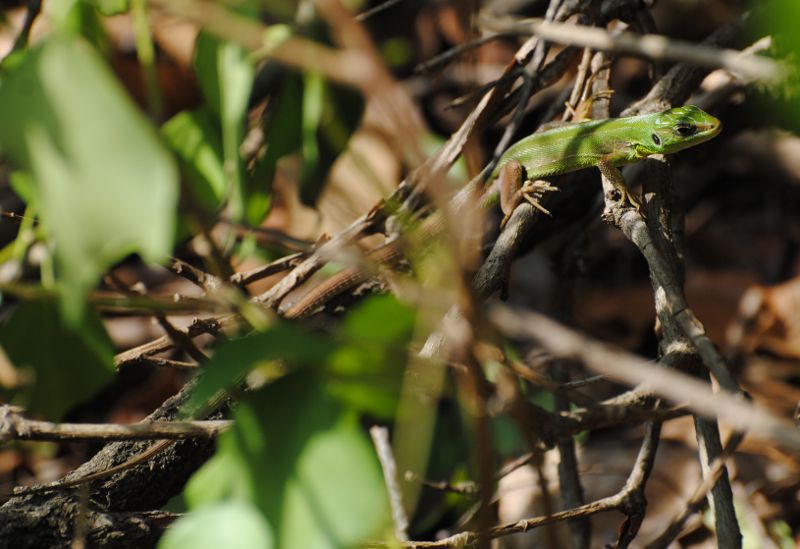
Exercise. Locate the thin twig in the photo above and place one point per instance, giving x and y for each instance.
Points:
(651, 46)
(627, 500)
(632, 370)
(693, 505)
(452, 53)
(463, 488)
(366, 14)
(181, 339)
(380, 438)
(211, 326)
(283, 264)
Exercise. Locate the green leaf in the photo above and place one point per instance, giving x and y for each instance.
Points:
(78, 18)
(282, 136)
(381, 320)
(313, 472)
(233, 525)
(311, 116)
(194, 136)
(331, 114)
(367, 368)
(222, 477)
(24, 185)
(105, 185)
(68, 364)
(397, 52)
(235, 359)
(112, 7)
(225, 73)
(276, 35)
(777, 102)
(314, 91)
(508, 441)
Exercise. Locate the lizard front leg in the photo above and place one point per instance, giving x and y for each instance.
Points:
(614, 176)
(515, 187)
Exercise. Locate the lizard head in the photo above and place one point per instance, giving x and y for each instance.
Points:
(682, 127)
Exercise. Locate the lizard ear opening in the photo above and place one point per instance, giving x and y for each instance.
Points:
(656, 140)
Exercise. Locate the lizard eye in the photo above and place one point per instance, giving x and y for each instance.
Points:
(685, 131)
(656, 140)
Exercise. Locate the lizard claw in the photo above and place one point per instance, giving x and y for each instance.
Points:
(531, 192)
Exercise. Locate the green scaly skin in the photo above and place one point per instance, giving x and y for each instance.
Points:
(615, 141)
(608, 144)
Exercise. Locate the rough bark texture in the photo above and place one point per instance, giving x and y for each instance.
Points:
(117, 511)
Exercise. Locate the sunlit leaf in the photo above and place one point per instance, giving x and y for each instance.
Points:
(112, 7)
(220, 478)
(304, 461)
(195, 138)
(367, 367)
(331, 114)
(314, 473)
(231, 524)
(235, 359)
(225, 73)
(779, 20)
(314, 91)
(282, 136)
(105, 185)
(381, 320)
(24, 185)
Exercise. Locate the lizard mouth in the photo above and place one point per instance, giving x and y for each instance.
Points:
(711, 129)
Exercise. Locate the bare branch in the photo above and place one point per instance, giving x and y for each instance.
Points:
(14, 426)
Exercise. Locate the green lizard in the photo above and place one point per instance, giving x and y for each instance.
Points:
(605, 144)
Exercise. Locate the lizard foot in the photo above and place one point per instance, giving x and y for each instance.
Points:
(532, 192)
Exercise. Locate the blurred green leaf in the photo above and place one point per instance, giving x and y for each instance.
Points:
(297, 448)
(69, 363)
(282, 136)
(508, 442)
(431, 143)
(232, 524)
(379, 320)
(307, 115)
(236, 358)
(397, 51)
(367, 367)
(225, 74)
(222, 477)
(105, 185)
(331, 114)
(779, 19)
(445, 454)
(364, 363)
(367, 387)
(314, 91)
(112, 7)
(782, 533)
(78, 18)
(313, 471)
(24, 185)
(194, 137)
(275, 35)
